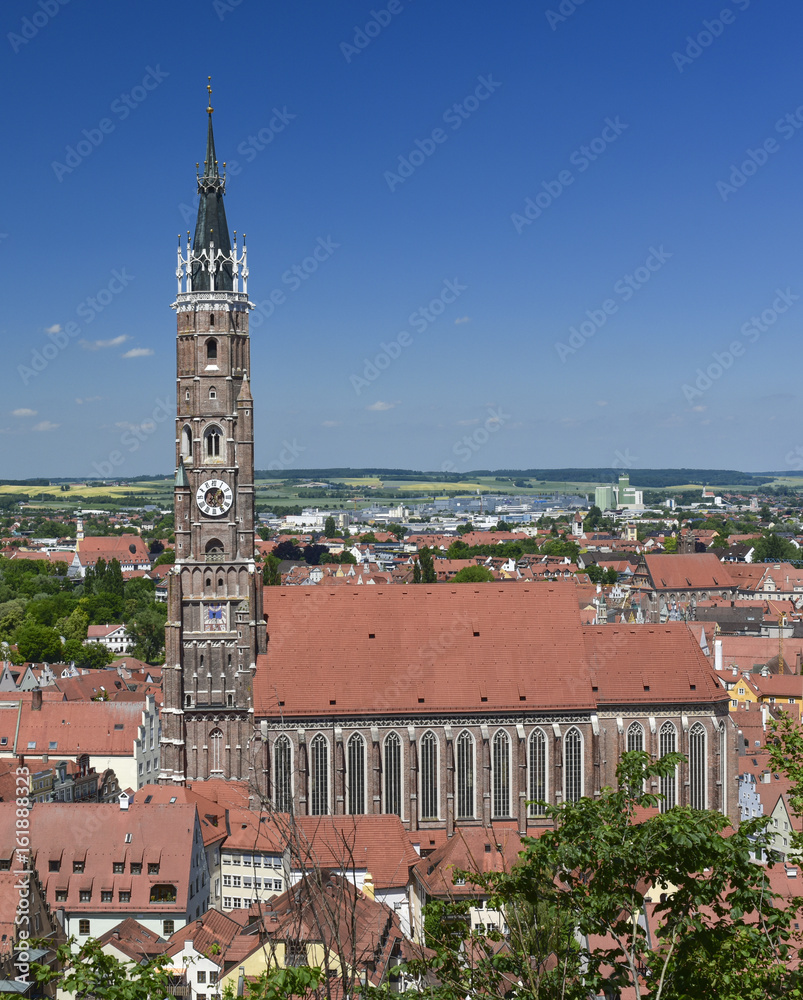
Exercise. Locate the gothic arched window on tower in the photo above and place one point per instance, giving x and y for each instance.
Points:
(319, 776)
(429, 776)
(500, 775)
(212, 393)
(667, 743)
(212, 443)
(465, 775)
(393, 772)
(211, 350)
(283, 775)
(186, 442)
(216, 750)
(355, 775)
(537, 791)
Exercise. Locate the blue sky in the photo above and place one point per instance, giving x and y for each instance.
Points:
(550, 229)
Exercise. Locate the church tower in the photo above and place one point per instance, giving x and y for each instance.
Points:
(215, 628)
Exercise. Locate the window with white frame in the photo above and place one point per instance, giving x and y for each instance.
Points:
(573, 764)
(283, 774)
(429, 776)
(355, 775)
(537, 760)
(393, 774)
(697, 766)
(465, 775)
(319, 790)
(668, 743)
(500, 775)
(216, 750)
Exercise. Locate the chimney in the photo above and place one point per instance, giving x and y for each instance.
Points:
(368, 886)
(717, 654)
(36, 700)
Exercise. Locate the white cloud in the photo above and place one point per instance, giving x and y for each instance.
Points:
(378, 406)
(23, 412)
(602, 402)
(88, 399)
(45, 425)
(468, 423)
(56, 328)
(99, 345)
(330, 423)
(462, 319)
(138, 352)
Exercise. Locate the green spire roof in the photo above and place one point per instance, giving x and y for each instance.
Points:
(211, 225)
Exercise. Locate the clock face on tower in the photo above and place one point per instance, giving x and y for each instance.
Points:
(214, 497)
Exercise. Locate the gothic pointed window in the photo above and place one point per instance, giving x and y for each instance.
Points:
(500, 775)
(429, 776)
(216, 750)
(213, 393)
(635, 737)
(536, 766)
(186, 442)
(573, 764)
(283, 775)
(668, 743)
(212, 443)
(211, 350)
(697, 767)
(393, 774)
(319, 776)
(355, 775)
(464, 764)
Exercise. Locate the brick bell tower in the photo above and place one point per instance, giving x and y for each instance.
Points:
(215, 628)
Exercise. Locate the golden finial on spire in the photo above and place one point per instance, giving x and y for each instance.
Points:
(210, 109)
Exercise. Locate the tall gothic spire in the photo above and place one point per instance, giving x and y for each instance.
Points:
(211, 226)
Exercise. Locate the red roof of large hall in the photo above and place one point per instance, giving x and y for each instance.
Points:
(468, 647)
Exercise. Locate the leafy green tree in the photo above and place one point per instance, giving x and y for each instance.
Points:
(329, 527)
(398, 530)
(464, 529)
(473, 574)
(774, 547)
(147, 629)
(670, 545)
(561, 547)
(167, 558)
(593, 519)
(281, 984)
(271, 574)
(503, 526)
(428, 574)
(717, 929)
(288, 551)
(88, 972)
(87, 655)
(369, 538)
(416, 571)
(313, 553)
(12, 614)
(38, 643)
